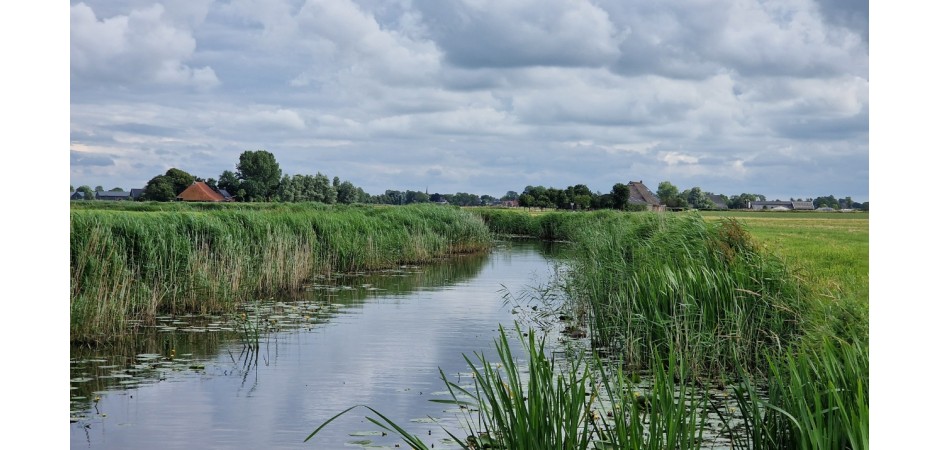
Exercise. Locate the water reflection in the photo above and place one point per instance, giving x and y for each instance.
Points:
(377, 339)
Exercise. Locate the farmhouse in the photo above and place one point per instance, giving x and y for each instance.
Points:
(782, 206)
(641, 195)
(199, 191)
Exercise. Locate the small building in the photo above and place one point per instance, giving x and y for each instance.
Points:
(641, 195)
(199, 191)
(112, 195)
(228, 197)
(510, 203)
(136, 194)
(77, 195)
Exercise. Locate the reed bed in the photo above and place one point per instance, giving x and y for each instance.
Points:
(132, 262)
(787, 322)
(657, 282)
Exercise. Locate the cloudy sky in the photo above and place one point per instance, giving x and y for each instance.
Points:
(480, 96)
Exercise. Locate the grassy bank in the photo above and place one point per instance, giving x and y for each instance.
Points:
(132, 261)
(774, 303)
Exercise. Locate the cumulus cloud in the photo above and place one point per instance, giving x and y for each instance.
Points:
(142, 47)
(479, 95)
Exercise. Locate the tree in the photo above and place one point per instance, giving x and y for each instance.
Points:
(86, 191)
(71, 188)
(510, 195)
(416, 197)
(159, 189)
(229, 181)
(346, 192)
(697, 199)
(180, 179)
(668, 193)
(620, 194)
(99, 189)
(259, 175)
(165, 188)
(115, 189)
(742, 201)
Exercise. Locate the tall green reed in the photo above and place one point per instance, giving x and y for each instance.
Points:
(533, 401)
(136, 264)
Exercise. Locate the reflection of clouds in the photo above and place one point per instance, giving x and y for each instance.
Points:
(399, 342)
(384, 353)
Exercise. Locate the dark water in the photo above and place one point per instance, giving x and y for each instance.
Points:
(376, 340)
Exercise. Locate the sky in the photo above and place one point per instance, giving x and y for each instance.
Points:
(478, 96)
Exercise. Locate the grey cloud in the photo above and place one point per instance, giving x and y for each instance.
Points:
(695, 40)
(89, 159)
(514, 34)
(852, 14)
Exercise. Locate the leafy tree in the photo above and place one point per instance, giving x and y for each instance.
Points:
(180, 179)
(115, 189)
(620, 195)
(71, 188)
(259, 175)
(526, 200)
(416, 197)
(697, 199)
(602, 201)
(306, 188)
(86, 191)
(345, 192)
(229, 181)
(165, 188)
(668, 194)
(510, 195)
(742, 201)
(465, 199)
(99, 189)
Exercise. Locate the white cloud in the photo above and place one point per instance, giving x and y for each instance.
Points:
(676, 158)
(142, 47)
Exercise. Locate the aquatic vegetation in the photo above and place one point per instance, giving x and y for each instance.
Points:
(130, 265)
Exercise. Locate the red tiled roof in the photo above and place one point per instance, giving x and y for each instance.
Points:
(200, 192)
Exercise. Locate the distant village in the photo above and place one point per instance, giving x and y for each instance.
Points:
(258, 178)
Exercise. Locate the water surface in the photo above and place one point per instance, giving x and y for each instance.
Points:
(370, 339)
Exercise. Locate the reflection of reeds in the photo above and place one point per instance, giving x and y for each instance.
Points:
(136, 264)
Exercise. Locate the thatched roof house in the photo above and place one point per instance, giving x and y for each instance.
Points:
(641, 195)
(200, 192)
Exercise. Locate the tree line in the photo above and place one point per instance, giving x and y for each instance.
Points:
(258, 178)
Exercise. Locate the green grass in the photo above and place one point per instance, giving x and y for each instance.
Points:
(777, 301)
(132, 261)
